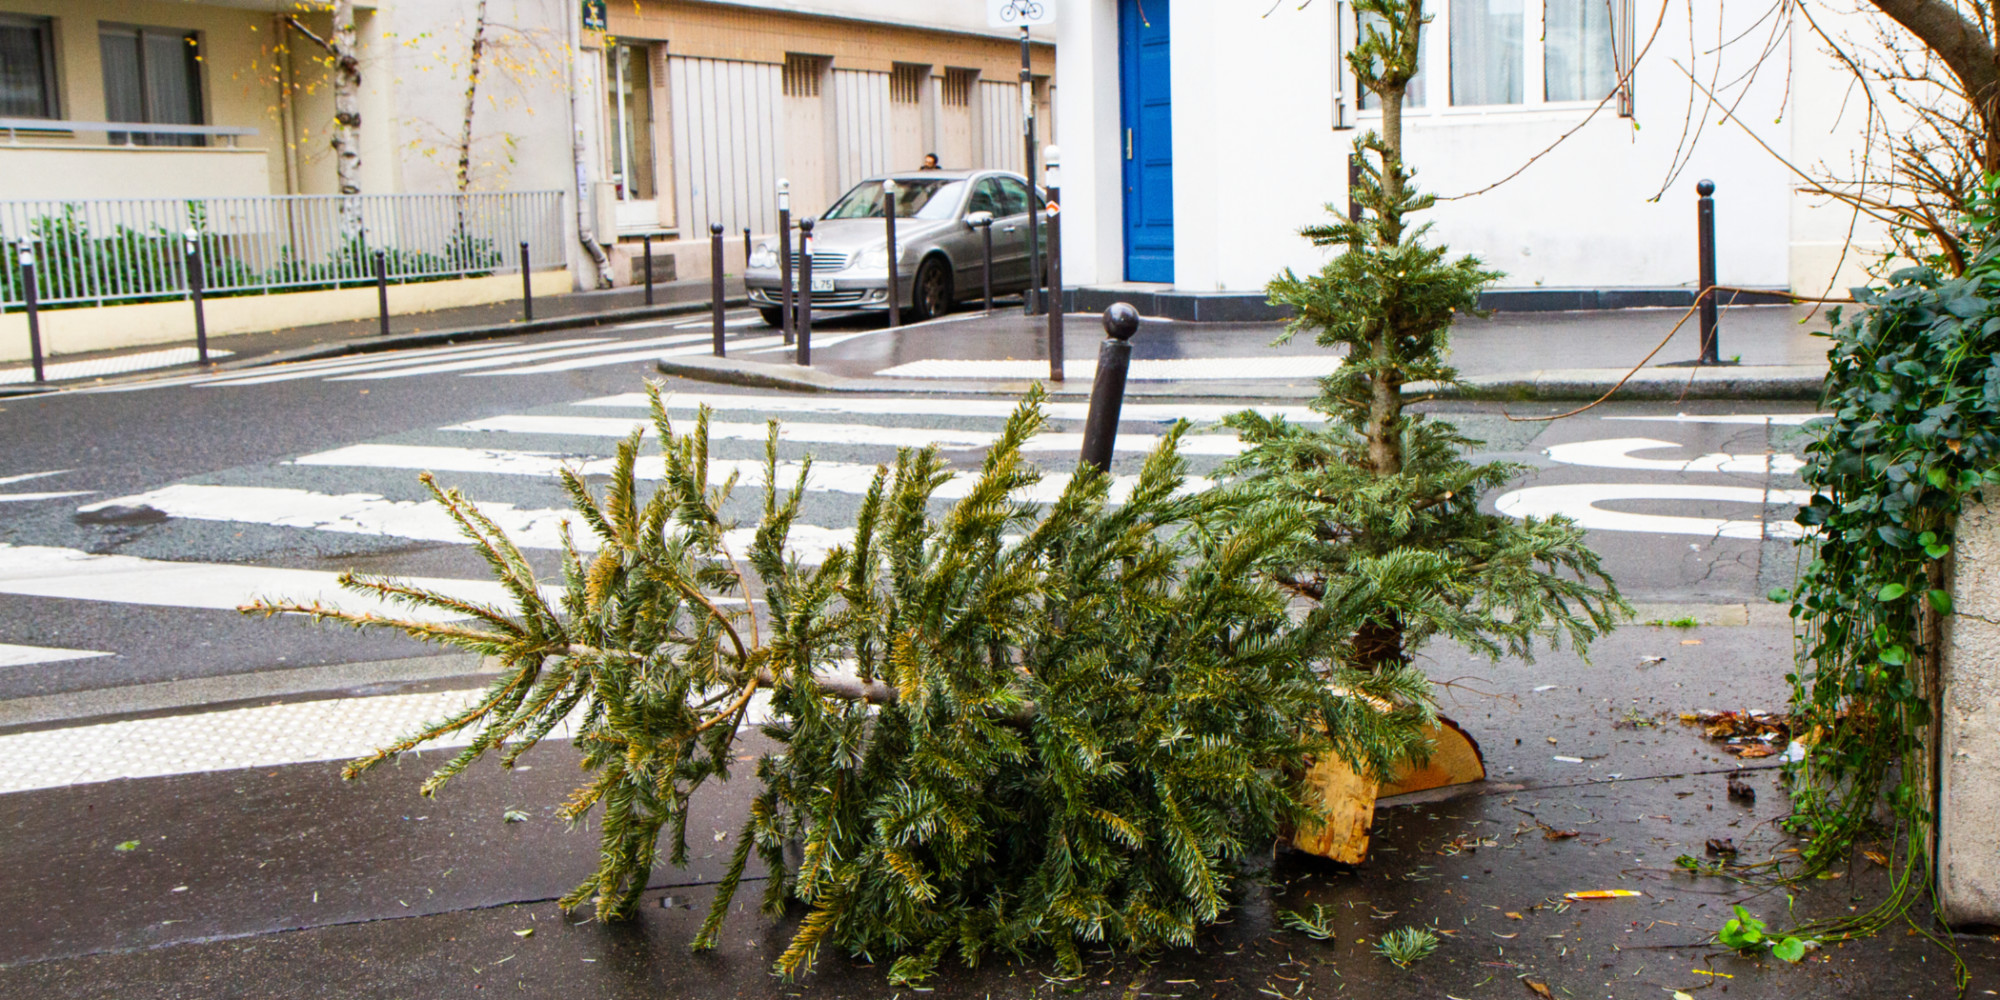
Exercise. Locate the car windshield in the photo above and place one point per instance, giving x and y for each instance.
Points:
(915, 199)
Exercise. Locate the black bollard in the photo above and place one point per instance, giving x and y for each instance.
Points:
(889, 224)
(985, 224)
(805, 291)
(746, 248)
(715, 280)
(787, 318)
(1711, 349)
(1053, 302)
(382, 290)
(527, 286)
(197, 275)
(31, 302)
(646, 247)
(1107, 394)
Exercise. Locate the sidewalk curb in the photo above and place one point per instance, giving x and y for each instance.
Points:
(1787, 382)
(393, 342)
(431, 338)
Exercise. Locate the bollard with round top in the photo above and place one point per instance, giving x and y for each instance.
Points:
(1107, 392)
(715, 283)
(1711, 348)
(805, 322)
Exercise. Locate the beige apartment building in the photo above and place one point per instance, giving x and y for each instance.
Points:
(661, 119)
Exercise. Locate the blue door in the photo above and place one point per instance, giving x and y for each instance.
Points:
(1146, 111)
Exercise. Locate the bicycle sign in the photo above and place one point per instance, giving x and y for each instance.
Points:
(1020, 13)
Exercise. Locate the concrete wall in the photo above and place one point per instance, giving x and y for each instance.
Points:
(75, 331)
(1257, 156)
(33, 171)
(1968, 834)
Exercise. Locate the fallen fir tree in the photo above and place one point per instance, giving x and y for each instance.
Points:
(1019, 726)
(1015, 726)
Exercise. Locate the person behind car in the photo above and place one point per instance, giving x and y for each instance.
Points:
(930, 161)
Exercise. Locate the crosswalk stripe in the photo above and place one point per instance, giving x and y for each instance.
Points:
(825, 477)
(515, 359)
(814, 432)
(942, 406)
(597, 361)
(727, 324)
(1784, 419)
(421, 520)
(27, 656)
(382, 363)
(415, 355)
(1144, 369)
(71, 574)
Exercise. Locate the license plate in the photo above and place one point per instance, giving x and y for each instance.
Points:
(822, 284)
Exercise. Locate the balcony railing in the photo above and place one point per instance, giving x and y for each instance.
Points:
(113, 250)
(116, 133)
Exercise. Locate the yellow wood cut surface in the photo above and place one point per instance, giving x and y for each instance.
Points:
(1349, 799)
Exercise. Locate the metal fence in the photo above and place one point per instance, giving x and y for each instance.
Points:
(103, 251)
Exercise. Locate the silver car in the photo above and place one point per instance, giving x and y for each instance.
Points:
(939, 248)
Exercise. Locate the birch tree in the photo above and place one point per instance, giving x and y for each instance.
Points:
(343, 57)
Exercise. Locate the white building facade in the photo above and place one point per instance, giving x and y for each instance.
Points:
(1200, 135)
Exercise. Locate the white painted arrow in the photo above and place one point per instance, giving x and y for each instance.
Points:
(1579, 501)
(1616, 453)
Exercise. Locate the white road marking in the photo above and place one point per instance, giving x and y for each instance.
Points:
(1615, 453)
(1143, 370)
(596, 361)
(208, 378)
(25, 656)
(1783, 419)
(827, 477)
(70, 574)
(1579, 503)
(727, 323)
(814, 432)
(350, 365)
(820, 341)
(116, 364)
(587, 347)
(28, 497)
(422, 520)
(944, 407)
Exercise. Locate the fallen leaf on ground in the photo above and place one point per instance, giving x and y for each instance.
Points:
(1682, 995)
(514, 816)
(1739, 790)
(1602, 894)
(1690, 642)
(1511, 915)
(525, 932)
(1875, 856)
(1539, 989)
(1647, 661)
(1505, 937)
(1753, 751)
(1554, 834)
(1724, 847)
(130, 845)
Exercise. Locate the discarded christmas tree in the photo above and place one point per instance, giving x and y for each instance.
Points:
(1397, 552)
(1008, 727)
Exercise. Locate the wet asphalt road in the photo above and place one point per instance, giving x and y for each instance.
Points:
(385, 894)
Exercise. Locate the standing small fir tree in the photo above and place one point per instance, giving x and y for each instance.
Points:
(1399, 552)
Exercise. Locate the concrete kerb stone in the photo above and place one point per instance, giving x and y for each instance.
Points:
(400, 341)
(1789, 382)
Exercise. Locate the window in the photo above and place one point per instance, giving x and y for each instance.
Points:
(1492, 49)
(1014, 197)
(152, 75)
(27, 68)
(1413, 95)
(1578, 54)
(906, 83)
(628, 74)
(915, 199)
(1486, 51)
(958, 87)
(802, 74)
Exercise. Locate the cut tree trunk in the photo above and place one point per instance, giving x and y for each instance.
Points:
(1349, 799)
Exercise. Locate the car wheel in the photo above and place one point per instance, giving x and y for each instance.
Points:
(931, 296)
(774, 316)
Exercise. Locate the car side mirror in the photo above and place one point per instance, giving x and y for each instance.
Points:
(978, 220)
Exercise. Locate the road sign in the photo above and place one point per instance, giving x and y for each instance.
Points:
(1020, 13)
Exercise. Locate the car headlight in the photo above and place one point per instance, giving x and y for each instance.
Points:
(872, 259)
(764, 256)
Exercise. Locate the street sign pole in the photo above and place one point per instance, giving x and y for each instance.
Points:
(1030, 297)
